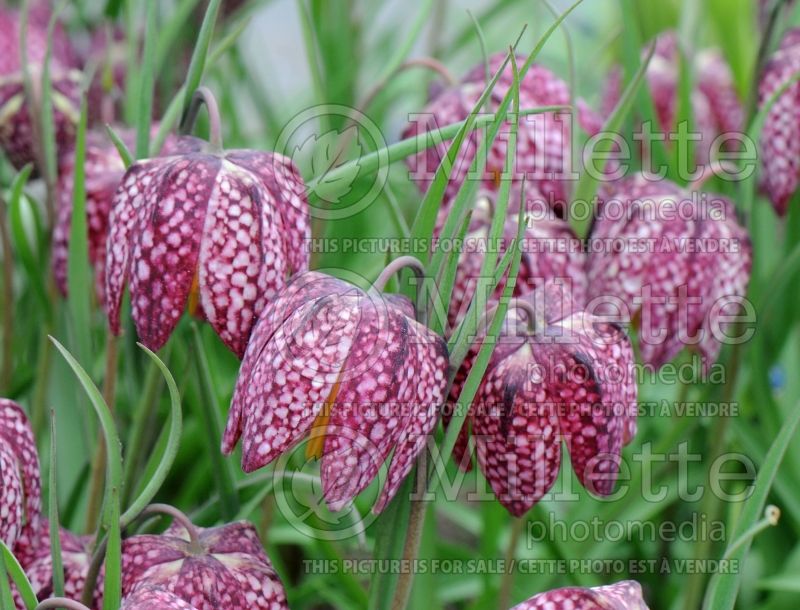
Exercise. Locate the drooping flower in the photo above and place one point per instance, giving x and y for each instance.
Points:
(556, 373)
(624, 595)
(353, 368)
(217, 231)
(550, 249)
(716, 108)
(677, 263)
(220, 567)
(154, 598)
(544, 144)
(103, 170)
(76, 555)
(16, 133)
(20, 478)
(780, 136)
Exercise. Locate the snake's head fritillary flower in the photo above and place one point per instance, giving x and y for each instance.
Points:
(563, 375)
(550, 249)
(20, 478)
(544, 142)
(103, 170)
(16, 133)
(76, 556)
(780, 136)
(715, 103)
(677, 263)
(220, 567)
(624, 595)
(154, 598)
(353, 368)
(217, 233)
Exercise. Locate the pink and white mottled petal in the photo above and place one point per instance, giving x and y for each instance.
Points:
(302, 289)
(16, 432)
(140, 553)
(422, 393)
(166, 247)
(154, 598)
(240, 263)
(281, 177)
(516, 432)
(295, 376)
(367, 418)
(134, 200)
(624, 595)
(11, 497)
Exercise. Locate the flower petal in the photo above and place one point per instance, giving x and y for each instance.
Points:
(154, 598)
(624, 595)
(16, 432)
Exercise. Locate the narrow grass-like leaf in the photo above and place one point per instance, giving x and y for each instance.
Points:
(5, 586)
(147, 81)
(402, 50)
(18, 576)
(122, 149)
(52, 514)
(587, 185)
(223, 473)
(487, 73)
(728, 584)
(197, 65)
(171, 30)
(78, 268)
(110, 522)
(155, 482)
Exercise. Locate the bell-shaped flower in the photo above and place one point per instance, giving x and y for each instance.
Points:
(556, 373)
(216, 232)
(624, 595)
(544, 143)
(674, 263)
(154, 598)
(550, 249)
(220, 567)
(352, 369)
(20, 477)
(16, 129)
(780, 136)
(103, 170)
(716, 108)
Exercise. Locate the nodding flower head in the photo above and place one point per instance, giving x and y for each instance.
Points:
(16, 129)
(220, 567)
(624, 595)
(103, 169)
(556, 373)
(780, 136)
(215, 232)
(675, 263)
(550, 249)
(20, 478)
(351, 368)
(715, 102)
(154, 598)
(544, 143)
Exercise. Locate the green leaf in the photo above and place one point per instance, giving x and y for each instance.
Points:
(197, 65)
(110, 520)
(170, 452)
(18, 576)
(5, 586)
(79, 278)
(147, 81)
(728, 584)
(122, 149)
(55, 528)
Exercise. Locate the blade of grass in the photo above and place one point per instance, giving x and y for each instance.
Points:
(109, 526)
(197, 65)
(18, 576)
(52, 513)
(5, 586)
(147, 82)
(727, 588)
(122, 149)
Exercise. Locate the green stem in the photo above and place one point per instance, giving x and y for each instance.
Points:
(416, 522)
(504, 597)
(8, 301)
(223, 474)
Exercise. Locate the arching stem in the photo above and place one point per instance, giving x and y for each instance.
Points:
(428, 63)
(203, 96)
(404, 262)
(180, 517)
(519, 304)
(61, 602)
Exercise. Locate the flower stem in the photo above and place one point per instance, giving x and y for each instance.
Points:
(181, 518)
(8, 301)
(508, 575)
(404, 262)
(416, 521)
(61, 602)
(428, 63)
(203, 96)
(97, 480)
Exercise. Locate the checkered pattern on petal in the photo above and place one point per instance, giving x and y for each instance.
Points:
(624, 595)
